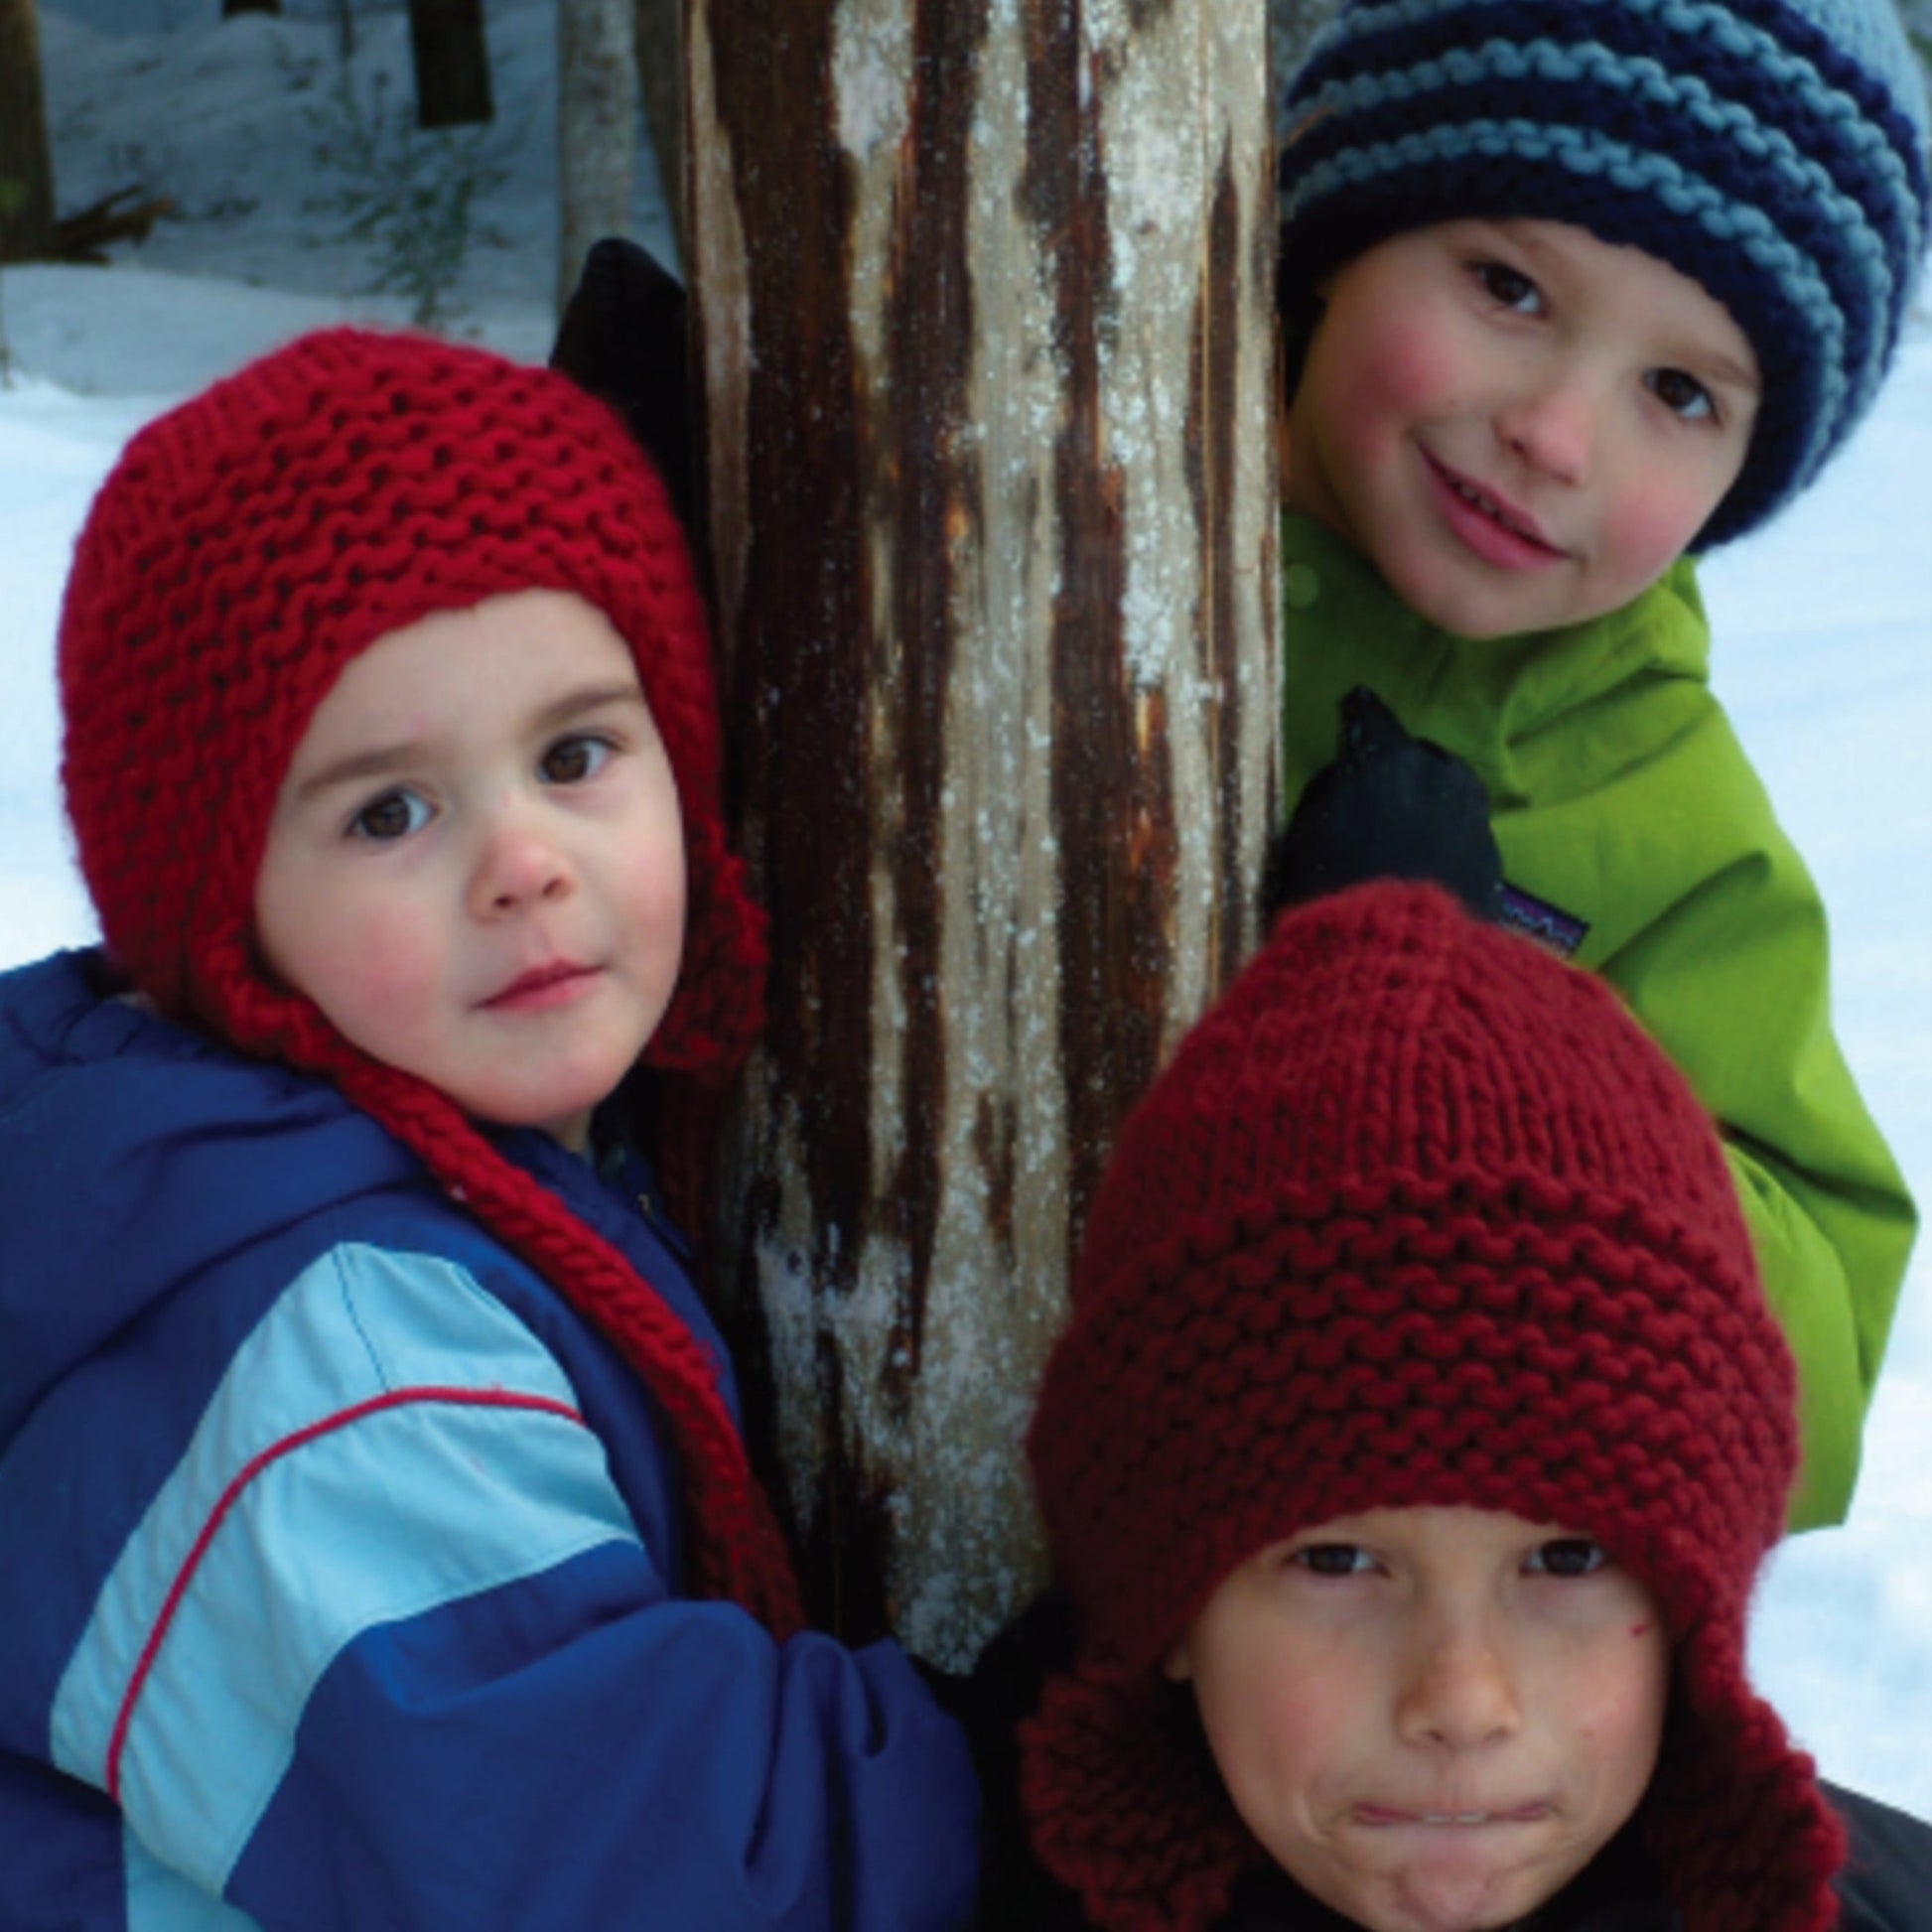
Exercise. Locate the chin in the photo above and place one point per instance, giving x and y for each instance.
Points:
(1459, 1888)
(1429, 1911)
(1482, 617)
(562, 1111)
(1477, 620)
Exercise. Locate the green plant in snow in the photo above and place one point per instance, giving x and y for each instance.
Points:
(408, 195)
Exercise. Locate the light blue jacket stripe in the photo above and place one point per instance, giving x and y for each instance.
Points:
(1586, 152)
(160, 1900)
(417, 1503)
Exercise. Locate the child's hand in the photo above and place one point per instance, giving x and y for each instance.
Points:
(1390, 806)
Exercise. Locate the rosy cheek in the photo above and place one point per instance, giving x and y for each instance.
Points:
(398, 958)
(1416, 367)
(1650, 528)
(1303, 1723)
(376, 967)
(658, 898)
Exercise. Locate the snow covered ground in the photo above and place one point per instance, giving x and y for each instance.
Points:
(1823, 626)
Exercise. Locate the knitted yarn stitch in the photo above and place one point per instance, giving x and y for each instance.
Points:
(245, 548)
(1416, 1216)
(1774, 151)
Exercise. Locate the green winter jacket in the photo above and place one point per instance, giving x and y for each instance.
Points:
(1620, 795)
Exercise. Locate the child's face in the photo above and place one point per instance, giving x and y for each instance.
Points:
(1432, 1719)
(1519, 425)
(476, 864)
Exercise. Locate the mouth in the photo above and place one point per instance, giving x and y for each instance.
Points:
(1385, 1816)
(551, 984)
(1495, 526)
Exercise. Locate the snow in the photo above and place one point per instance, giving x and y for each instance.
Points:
(1824, 626)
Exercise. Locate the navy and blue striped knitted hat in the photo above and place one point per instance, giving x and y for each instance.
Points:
(1772, 150)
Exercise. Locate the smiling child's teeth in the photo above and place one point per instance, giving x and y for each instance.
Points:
(1491, 509)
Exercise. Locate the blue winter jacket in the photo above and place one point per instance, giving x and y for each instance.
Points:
(340, 1571)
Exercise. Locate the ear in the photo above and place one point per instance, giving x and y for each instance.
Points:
(1177, 1666)
(623, 337)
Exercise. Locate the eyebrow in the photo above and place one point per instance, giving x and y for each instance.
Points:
(379, 761)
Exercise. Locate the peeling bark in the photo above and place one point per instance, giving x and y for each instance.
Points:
(983, 293)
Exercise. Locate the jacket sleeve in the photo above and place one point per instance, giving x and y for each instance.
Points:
(392, 1648)
(1710, 925)
(1887, 1876)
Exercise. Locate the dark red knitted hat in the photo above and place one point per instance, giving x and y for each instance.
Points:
(245, 548)
(1417, 1216)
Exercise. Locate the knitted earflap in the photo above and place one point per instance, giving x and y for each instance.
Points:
(1774, 151)
(1417, 1216)
(246, 547)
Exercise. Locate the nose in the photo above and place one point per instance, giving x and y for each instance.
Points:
(518, 865)
(1457, 1692)
(1552, 426)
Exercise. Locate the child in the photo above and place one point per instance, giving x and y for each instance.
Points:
(1408, 1460)
(378, 1543)
(1569, 289)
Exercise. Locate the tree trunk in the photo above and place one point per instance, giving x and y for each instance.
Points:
(985, 304)
(596, 129)
(446, 43)
(26, 161)
(660, 78)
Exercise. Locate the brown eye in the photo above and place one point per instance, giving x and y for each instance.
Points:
(1333, 1559)
(1683, 395)
(1568, 1556)
(570, 761)
(392, 816)
(1508, 287)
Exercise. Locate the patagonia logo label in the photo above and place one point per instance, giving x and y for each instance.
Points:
(1536, 918)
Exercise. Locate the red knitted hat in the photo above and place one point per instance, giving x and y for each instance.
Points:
(245, 548)
(1417, 1216)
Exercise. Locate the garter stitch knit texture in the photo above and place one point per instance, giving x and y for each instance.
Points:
(1774, 151)
(244, 549)
(1417, 1216)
